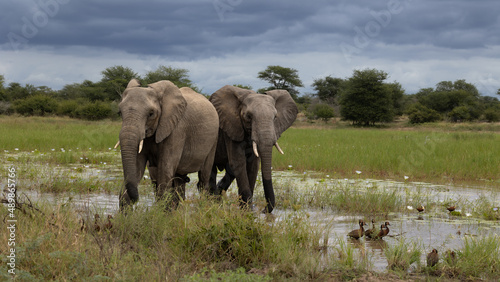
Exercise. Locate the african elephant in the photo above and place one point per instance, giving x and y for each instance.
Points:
(173, 130)
(250, 125)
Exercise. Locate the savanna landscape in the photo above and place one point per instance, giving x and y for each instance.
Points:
(432, 172)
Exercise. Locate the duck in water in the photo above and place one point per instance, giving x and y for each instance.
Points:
(358, 233)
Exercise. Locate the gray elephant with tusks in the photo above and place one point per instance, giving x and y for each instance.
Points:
(250, 125)
(173, 130)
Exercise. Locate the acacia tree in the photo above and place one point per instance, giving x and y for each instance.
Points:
(328, 89)
(115, 79)
(366, 99)
(178, 76)
(281, 78)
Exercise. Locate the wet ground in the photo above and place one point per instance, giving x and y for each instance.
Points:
(436, 228)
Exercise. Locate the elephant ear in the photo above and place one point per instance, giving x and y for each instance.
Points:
(134, 82)
(227, 101)
(172, 105)
(286, 108)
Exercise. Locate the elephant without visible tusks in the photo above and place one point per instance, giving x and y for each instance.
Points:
(173, 130)
(250, 125)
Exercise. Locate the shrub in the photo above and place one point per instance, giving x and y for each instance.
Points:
(418, 113)
(320, 111)
(460, 113)
(492, 114)
(68, 108)
(37, 105)
(94, 110)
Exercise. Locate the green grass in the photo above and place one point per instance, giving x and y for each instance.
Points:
(435, 154)
(47, 133)
(419, 154)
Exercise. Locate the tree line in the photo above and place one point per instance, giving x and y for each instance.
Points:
(365, 98)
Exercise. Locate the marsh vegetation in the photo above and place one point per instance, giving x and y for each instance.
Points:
(326, 181)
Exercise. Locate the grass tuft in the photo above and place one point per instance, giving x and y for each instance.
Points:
(401, 256)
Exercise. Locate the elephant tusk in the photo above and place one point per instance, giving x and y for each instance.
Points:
(117, 144)
(254, 145)
(278, 147)
(140, 146)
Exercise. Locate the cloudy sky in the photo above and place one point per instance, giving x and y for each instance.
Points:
(417, 42)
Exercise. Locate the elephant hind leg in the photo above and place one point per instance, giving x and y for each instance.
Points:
(212, 183)
(226, 181)
(205, 175)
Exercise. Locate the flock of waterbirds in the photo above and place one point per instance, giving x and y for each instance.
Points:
(372, 234)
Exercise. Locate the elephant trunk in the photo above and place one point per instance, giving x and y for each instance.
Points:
(267, 180)
(129, 141)
(263, 141)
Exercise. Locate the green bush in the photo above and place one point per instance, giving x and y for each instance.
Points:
(68, 108)
(37, 105)
(459, 114)
(320, 111)
(492, 114)
(94, 111)
(418, 113)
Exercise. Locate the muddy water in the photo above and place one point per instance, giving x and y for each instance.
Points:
(430, 229)
(434, 228)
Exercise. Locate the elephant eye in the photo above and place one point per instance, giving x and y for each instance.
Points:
(151, 113)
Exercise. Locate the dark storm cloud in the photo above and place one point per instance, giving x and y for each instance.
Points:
(449, 24)
(419, 40)
(193, 29)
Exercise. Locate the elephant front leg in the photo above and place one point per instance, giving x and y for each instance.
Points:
(238, 164)
(252, 171)
(170, 192)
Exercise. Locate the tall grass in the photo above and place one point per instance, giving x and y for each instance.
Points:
(199, 239)
(403, 255)
(420, 154)
(480, 257)
(347, 197)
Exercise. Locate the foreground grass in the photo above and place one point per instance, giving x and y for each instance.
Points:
(207, 240)
(200, 239)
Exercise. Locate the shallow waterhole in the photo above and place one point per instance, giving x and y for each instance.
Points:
(434, 228)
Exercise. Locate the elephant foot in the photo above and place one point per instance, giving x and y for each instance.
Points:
(184, 178)
(125, 203)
